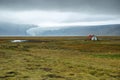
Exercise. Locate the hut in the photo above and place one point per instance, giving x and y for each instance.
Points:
(92, 37)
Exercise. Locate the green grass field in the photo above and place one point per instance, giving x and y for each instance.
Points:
(60, 58)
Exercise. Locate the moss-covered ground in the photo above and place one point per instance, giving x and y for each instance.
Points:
(60, 58)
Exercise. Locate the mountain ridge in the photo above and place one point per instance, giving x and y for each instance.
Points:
(9, 29)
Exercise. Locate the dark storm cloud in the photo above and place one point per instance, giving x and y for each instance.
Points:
(91, 6)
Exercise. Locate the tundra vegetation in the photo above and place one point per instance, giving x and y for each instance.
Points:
(60, 58)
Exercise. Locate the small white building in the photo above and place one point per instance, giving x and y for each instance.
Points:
(94, 38)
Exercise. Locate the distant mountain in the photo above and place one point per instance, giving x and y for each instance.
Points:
(10, 29)
(106, 30)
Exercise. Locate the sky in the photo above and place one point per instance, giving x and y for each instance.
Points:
(60, 13)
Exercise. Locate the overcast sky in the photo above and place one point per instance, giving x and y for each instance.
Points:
(52, 13)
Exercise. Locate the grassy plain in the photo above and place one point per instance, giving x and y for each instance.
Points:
(60, 58)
